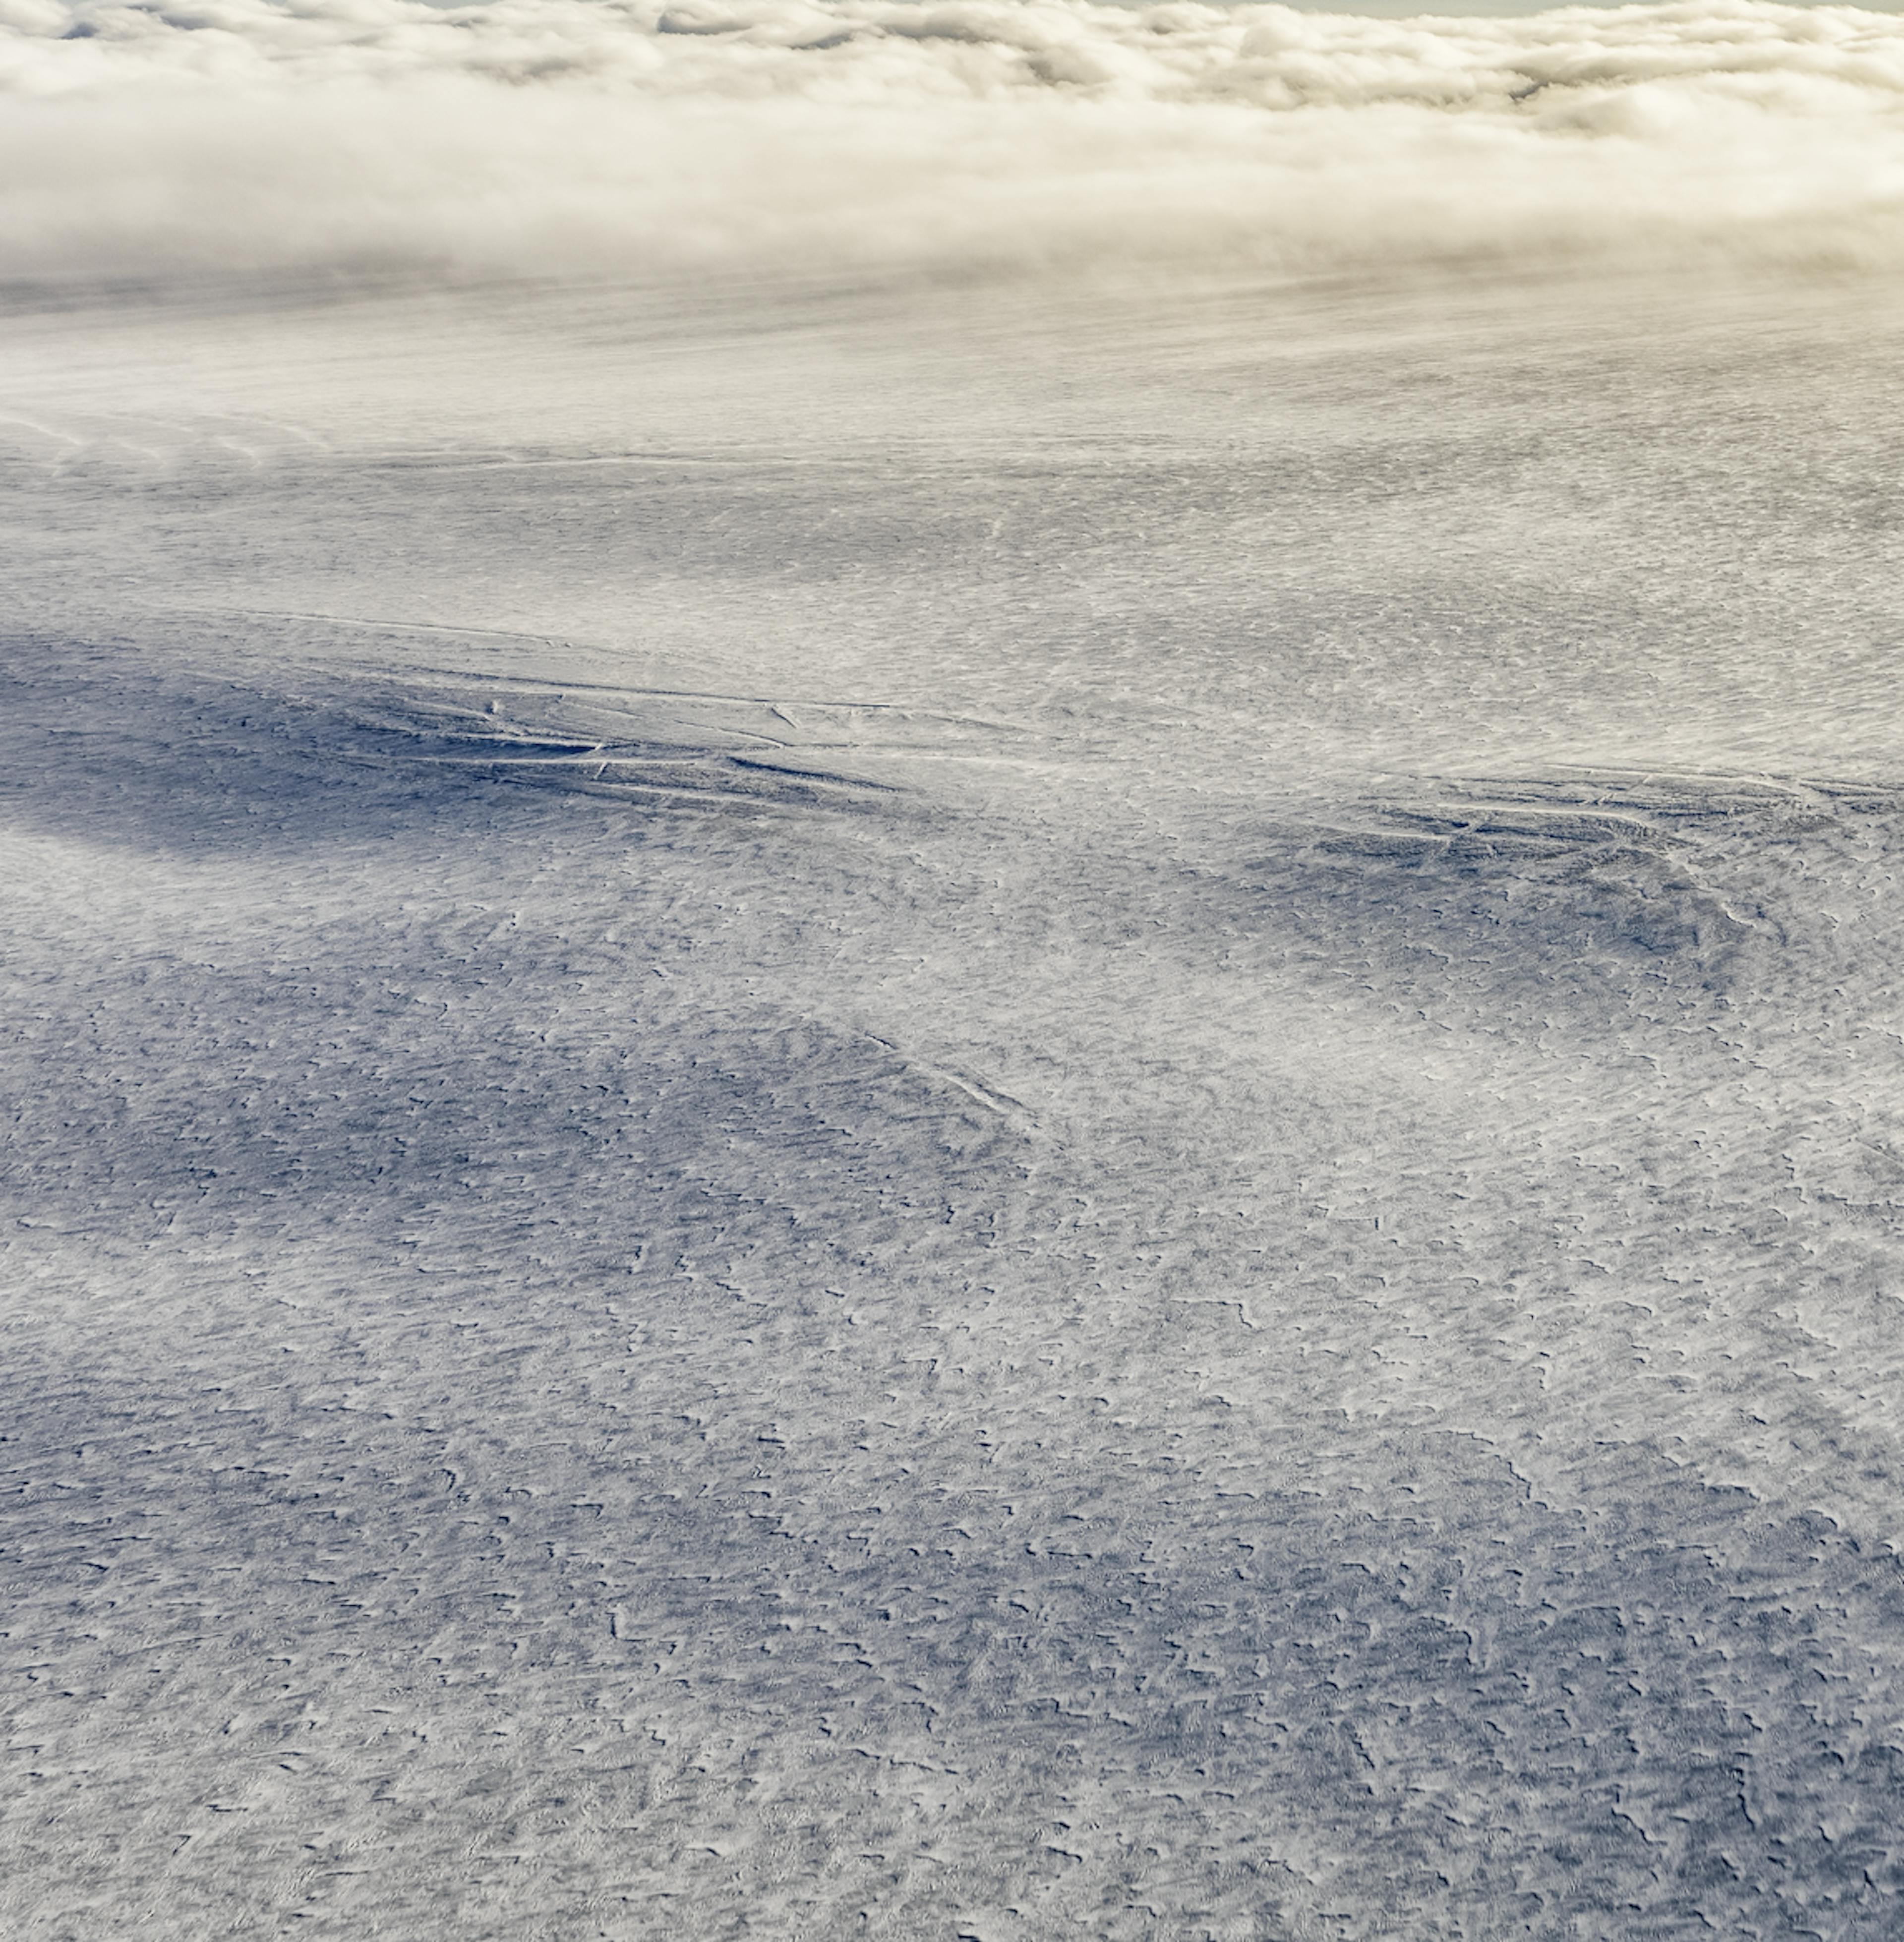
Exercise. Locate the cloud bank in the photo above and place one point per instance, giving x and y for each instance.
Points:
(623, 136)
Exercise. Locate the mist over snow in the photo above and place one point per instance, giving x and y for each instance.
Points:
(551, 135)
(949, 973)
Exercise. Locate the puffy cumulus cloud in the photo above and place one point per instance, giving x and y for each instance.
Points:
(617, 135)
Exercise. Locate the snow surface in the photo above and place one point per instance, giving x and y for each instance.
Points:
(952, 1112)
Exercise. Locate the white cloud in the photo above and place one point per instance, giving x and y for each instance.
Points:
(564, 134)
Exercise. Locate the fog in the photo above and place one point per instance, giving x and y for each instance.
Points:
(566, 135)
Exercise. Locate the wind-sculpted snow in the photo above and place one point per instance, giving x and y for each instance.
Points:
(541, 135)
(902, 1114)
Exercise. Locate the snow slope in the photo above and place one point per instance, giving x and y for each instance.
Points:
(939, 1110)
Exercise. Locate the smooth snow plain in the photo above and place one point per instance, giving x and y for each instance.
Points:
(943, 1109)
